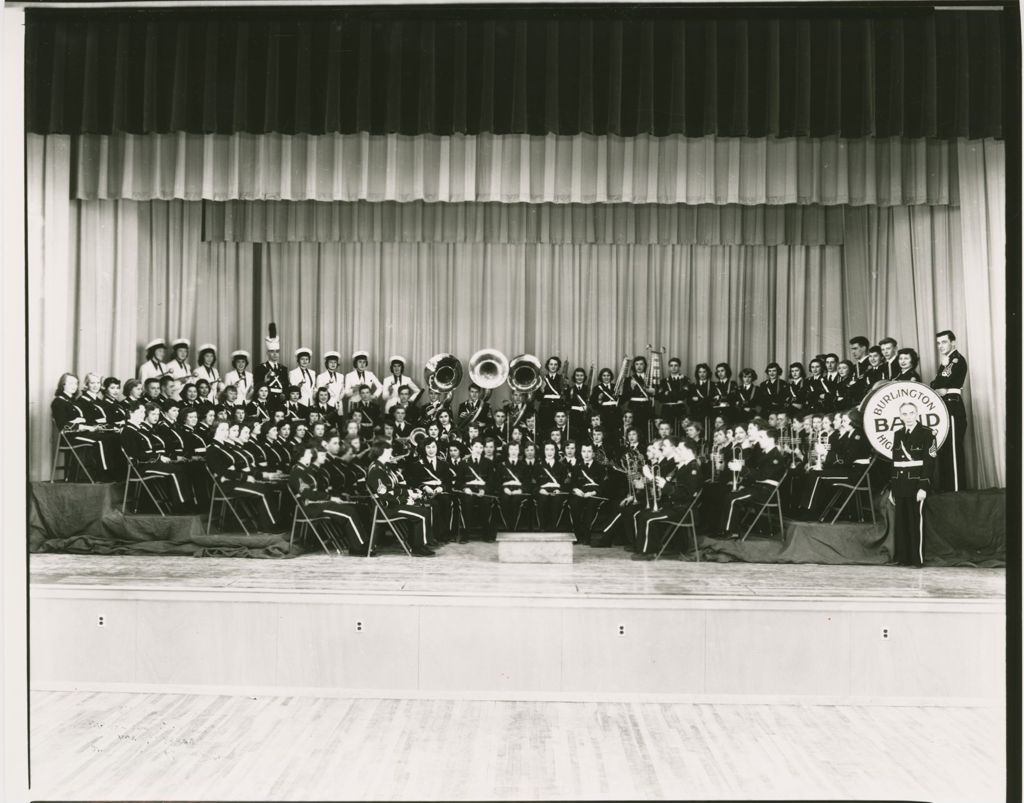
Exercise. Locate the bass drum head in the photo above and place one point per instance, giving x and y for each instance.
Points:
(880, 412)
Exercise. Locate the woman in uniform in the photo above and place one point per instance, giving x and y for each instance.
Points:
(207, 369)
(240, 377)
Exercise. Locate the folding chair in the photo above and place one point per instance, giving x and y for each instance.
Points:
(136, 478)
(531, 500)
(495, 504)
(861, 485)
(218, 496)
(686, 521)
(64, 447)
(380, 516)
(304, 522)
(773, 503)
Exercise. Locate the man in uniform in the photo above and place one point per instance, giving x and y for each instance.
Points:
(913, 452)
(577, 400)
(369, 410)
(889, 347)
(672, 392)
(550, 396)
(677, 493)
(859, 354)
(303, 377)
(474, 410)
(949, 383)
(516, 410)
(272, 373)
(759, 482)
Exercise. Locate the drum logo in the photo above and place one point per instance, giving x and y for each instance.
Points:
(881, 412)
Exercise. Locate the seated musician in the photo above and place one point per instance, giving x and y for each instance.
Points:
(549, 480)
(847, 456)
(757, 481)
(397, 501)
(474, 410)
(344, 511)
(400, 423)
(569, 455)
(294, 409)
(587, 483)
(148, 457)
(516, 410)
(676, 491)
(476, 485)
(501, 430)
(434, 405)
(69, 417)
(434, 477)
(877, 369)
(308, 485)
(103, 420)
(368, 409)
(515, 478)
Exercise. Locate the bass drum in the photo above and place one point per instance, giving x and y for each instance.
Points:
(880, 412)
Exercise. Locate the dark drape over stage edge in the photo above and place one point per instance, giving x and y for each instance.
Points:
(931, 74)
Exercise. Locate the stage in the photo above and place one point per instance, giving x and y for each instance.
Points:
(464, 626)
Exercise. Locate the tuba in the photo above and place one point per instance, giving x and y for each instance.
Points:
(525, 374)
(489, 369)
(443, 373)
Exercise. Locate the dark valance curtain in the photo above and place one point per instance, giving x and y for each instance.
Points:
(921, 74)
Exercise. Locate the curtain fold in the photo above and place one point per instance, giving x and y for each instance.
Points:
(926, 73)
(415, 222)
(516, 169)
(589, 303)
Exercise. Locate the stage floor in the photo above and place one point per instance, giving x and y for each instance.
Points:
(473, 570)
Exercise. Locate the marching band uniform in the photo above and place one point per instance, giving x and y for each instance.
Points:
(517, 477)
(68, 415)
(209, 373)
(371, 415)
(819, 396)
(796, 398)
(672, 392)
(604, 400)
(586, 478)
(550, 398)
(639, 402)
(890, 368)
(355, 378)
(384, 485)
(681, 486)
(745, 402)
(948, 383)
(243, 380)
(303, 378)
(307, 484)
(436, 475)
(515, 414)
(913, 452)
(848, 392)
(231, 468)
(331, 379)
(722, 395)
(274, 375)
(578, 404)
(390, 386)
(145, 451)
(910, 375)
(295, 410)
(761, 480)
(470, 412)
(772, 396)
(152, 368)
(700, 403)
(551, 477)
(476, 474)
(179, 369)
(848, 453)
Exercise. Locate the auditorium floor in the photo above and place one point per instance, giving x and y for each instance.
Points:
(473, 569)
(108, 746)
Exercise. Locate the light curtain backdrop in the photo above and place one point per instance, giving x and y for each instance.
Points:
(105, 276)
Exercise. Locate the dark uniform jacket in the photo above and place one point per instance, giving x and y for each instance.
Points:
(552, 477)
(305, 483)
(746, 400)
(470, 473)
(276, 378)
(771, 396)
(385, 485)
(516, 475)
(672, 391)
(588, 478)
(683, 485)
(953, 374)
(65, 410)
(768, 470)
(551, 390)
(478, 412)
(913, 458)
(137, 444)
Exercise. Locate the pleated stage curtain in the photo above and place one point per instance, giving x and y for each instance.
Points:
(584, 302)
(516, 169)
(926, 73)
(608, 224)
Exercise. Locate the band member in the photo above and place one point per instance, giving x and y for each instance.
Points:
(560, 429)
(395, 381)
(848, 454)
(435, 478)
(323, 407)
(550, 396)
(758, 482)
(876, 370)
(236, 475)
(515, 479)
(638, 396)
(832, 370)
(308, 487)
(501, 429)
(677, 490)
(147, 454)
(723, 392)
(604, 400)
(819, 395)
(272, 373)
(849, 390)
(303, 376)
(112, 401)
(577, 400)
(178, 365)
(436, 403)
(343, 481)
(153, 367)
(402, 428)
(906, 366)
(549, 481)
(672, 393)
(949, 383)
(745, 402)
(399, 503)
(888, 347)
(332, 379)
(516, 410)
(913, 452)
(369, 412)
(361, 375)
(474, 410)
(206, 368)
(261, 407)
(772, 392)
(586, 483)
(69, 417)
(700, 396)
(858, 355)
(796, 391)
(476, 483)
(239, 377)
(294, 409)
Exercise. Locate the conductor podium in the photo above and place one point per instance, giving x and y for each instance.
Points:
(535, 547)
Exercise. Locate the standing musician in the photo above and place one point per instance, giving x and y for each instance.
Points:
(888, 346)
(367, 409)
(700, 396)
(876, 370)
(949, 384)
(772, 391)
(906, 366)
(474, 410)
(819, 395)
(577, 400)
(913, 452)
(303, 376)
(604, 400)
(745, 402)
(361, 375)
(395, 381)
(832, 370)
(848, 390)
(332, 379)
(758, 481)
(272, 373)
(317, 497)
(476, 483)
(550, 396)
(516, 410)
(549, 480)
(501, 429)
(672, 393)
(206, 368)
(859, 355)
(153, 367)
(240, 377)
(435, 478)
(586, 483)
(796, 391)
(179, 367)
(677, 490)
(398, 502)
(638, 397)
(723, 392)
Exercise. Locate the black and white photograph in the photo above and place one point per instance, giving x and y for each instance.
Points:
(491, 401)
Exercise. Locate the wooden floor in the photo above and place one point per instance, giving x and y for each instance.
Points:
(473, 569)
(104, 746)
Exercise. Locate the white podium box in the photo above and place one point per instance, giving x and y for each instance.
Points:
(535, 547)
